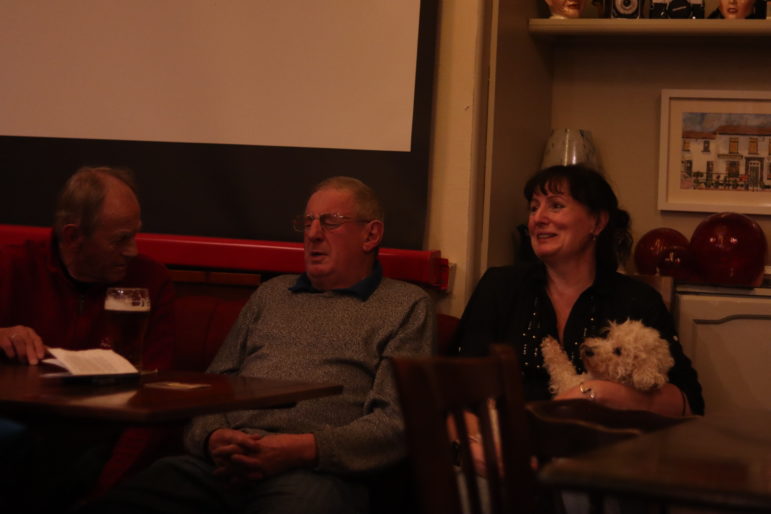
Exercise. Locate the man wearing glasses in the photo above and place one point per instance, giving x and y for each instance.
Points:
(338, 322)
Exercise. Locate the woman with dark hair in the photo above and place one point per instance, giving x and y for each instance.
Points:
(571, 291)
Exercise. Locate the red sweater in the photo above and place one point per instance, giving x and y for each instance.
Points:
(37, 292)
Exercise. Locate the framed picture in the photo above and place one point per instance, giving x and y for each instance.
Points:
(715, 151)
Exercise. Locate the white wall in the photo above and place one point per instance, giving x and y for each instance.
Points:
(455, 179)
(613, 88)
(298, 73)
(492, 106)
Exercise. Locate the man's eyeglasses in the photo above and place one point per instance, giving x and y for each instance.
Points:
(328, 221)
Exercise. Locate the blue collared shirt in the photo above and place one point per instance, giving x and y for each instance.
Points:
(361, 290)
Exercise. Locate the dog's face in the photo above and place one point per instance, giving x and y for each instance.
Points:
(631, 354)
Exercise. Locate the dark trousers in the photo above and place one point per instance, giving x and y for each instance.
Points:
(185, 484)
(49, 466)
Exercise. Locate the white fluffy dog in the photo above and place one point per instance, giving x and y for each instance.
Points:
(630, 353)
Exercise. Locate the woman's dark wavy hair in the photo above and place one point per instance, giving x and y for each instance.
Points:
(589, 187)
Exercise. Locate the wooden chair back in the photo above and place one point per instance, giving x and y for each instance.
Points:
(436, 389)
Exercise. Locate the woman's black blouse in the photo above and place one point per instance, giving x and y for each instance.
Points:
(510, 305)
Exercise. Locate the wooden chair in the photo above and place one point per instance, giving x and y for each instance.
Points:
(434, 390)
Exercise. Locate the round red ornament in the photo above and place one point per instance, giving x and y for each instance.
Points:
(648, 250)
(730, 249)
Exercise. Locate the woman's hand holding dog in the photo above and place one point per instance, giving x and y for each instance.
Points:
(667, 401)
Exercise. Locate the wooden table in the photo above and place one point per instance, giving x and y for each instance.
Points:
(719, 461)
(24, 390)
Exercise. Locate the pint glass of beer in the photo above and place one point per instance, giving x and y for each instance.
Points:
(127, 310)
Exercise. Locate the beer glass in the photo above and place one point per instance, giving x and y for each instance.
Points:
(127, 310)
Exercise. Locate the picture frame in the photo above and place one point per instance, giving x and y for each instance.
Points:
(715, 151)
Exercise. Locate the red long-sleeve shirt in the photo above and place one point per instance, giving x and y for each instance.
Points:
(37, 292)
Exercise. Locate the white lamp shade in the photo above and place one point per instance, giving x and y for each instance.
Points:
(570, 146)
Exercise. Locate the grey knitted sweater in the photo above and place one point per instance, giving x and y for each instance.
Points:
(326, 337)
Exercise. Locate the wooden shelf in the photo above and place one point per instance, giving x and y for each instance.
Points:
(549, 28)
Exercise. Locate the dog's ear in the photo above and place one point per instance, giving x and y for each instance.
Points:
(647, 379)
(653, 365)
(646, 359)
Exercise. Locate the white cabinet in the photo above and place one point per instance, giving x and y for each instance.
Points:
(727, 334)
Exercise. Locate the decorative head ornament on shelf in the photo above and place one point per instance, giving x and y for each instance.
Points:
(739, 9)
(562, 9)
(570, 146)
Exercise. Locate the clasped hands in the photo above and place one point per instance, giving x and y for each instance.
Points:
(240, 457)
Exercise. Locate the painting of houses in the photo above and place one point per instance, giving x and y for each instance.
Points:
(724, 151)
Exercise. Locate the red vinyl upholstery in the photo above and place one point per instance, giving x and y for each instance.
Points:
(204, 320)
(202, 324)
